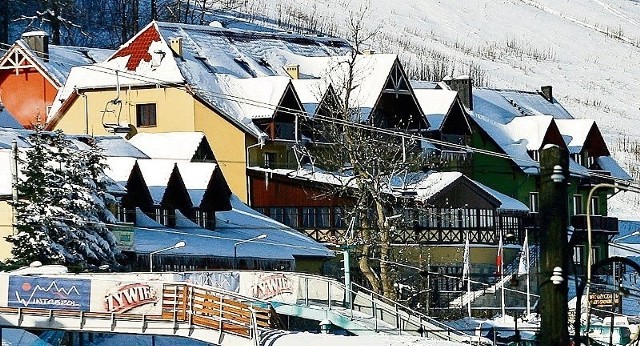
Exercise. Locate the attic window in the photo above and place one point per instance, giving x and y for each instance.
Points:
(245, 66)
(206, 65)
(535, 155)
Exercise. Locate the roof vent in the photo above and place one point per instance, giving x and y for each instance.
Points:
(293, 71)
(369, 52)
(176, 46)
(38, 41)
(547, 92)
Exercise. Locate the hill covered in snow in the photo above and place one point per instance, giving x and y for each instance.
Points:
(586, 49)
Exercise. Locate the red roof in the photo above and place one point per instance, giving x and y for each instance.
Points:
(138, 49)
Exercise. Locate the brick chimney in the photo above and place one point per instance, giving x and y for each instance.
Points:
(464, 86)
(293, 71)
(38, 41)
(547, 92)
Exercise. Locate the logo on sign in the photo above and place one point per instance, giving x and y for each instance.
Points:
(49, 293)
(271, 286)
(130, 296)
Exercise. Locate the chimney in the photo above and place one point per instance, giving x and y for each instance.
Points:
(176, 45)
(368, 52)
(38, 41)
(293, 71)
(464, 86)
(547, 92)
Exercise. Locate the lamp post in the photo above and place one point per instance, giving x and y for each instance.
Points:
(235, 248)
(617, 240)
(176, 246)
(589, 246)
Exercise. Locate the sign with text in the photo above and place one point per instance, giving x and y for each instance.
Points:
(604, 299)
(229, 281)
(49, 293)
(270, 286)
(127, 297)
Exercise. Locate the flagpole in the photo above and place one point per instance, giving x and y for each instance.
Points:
(468, 267)
(526, 238)
(501, 254)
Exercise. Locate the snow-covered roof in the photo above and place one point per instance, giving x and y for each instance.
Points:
(8, 135)
(506, 203)
(426, 185)
(262, 95)
(240, 223)
(607, 163)
(435, 104)
(168, 145)
(196, 177)
(504, 105)
(156, 174)
(575, 132)
(310, 92)
(119, 147)
(531, 130)
(516, 149)
(119, 168)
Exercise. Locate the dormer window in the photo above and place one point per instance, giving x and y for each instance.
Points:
(577, 158)
(535, 155)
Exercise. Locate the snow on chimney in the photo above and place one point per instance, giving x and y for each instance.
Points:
(547, 92)
(176, 45)
(464, 86)
(38, 41)
(293, 71)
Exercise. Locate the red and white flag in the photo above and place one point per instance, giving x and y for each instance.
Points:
(499, 258)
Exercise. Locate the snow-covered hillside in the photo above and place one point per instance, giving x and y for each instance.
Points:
(586, 49)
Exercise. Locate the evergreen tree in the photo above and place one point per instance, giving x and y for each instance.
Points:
(62, 210)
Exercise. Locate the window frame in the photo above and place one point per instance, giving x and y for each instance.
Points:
(146, 120)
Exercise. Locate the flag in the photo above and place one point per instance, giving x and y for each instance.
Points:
(523, 266)
(499, 258)
(465, 259)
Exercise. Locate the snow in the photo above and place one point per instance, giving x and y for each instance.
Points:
(607, 163)
(116, 146)
(156, 174)
(164, 145)
(261, 95)
(232, 226)
(507, 203)
(435, 104)
(530, 129)
(310, 92)
(575, 132)
(119, 168)
(196, 177)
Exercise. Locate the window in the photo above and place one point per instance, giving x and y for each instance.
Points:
(277, 214)
(146, 114)
(308, 217)
(533, 202)
(338, 215)
(595, 205)
(205, 219)
(578, 252)
(269, 160)
(535, 155)
(322, 217)
(162, 216)
(577, 205)
(291, 217)
(577, 158)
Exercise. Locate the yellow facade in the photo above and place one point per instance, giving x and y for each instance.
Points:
(176, 110)
(6, 229)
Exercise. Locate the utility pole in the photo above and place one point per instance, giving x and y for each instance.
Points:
(554, 165)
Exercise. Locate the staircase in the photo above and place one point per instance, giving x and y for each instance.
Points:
(509, 272)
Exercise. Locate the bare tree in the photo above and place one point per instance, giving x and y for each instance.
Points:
(365, 159)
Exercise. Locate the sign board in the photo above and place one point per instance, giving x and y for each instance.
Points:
(124, 235)
(604, 299)
(49, 293)
(277, 287)
(127, 297)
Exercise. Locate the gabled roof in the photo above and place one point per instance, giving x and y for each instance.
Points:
(311, 93)
(262, 95)
(168, 145)
(532, 130)
(575, 132)
(435, 104)
(119, 168)
(61, 59)
(197, 176)
(156, 174)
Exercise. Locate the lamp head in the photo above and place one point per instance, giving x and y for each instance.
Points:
(558, 174)
(557, 278)
(261, 236)
(180, 244)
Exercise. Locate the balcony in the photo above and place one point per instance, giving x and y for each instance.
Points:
(599, 223)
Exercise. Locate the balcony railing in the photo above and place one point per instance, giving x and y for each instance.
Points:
(599, 223)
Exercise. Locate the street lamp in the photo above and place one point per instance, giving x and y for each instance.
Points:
(589, 245)
(617, 240)
(176, 246)
(235, 248)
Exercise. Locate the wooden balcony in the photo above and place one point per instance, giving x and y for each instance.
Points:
(599, 223)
